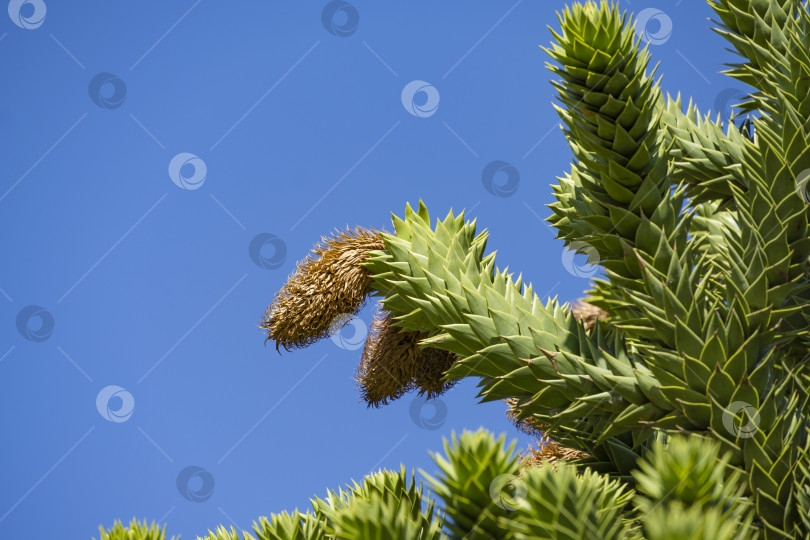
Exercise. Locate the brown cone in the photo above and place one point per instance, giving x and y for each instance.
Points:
(529, 425)
(549, 451)
(432, 366)
(393, 364)
(325, 291)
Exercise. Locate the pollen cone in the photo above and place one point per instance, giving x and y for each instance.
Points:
(393, 364)
(549, 451)
(529, 425)
(433, 364)
(326, 288)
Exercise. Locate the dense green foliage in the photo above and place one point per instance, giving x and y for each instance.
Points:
(486, 495)
(691, 397)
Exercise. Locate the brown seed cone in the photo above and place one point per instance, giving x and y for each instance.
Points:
(393, 364)
(549, 451)
(325, 291)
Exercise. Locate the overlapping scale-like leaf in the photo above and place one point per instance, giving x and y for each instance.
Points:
(612, 123)
(707, 159)
(502, 333)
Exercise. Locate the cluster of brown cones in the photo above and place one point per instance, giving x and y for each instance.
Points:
(326, 290)
(330, 286)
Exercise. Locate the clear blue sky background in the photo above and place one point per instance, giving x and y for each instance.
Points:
(152, 288)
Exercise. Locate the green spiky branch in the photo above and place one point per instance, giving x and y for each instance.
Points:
(690, 400)
(519, 347)
(703, 238)
(487, 494)
(704, 156)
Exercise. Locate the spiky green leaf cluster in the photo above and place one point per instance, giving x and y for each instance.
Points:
(687, 490)
(562, 504)
(385, 505)
(384, 501)
(135, 531)
(703, 234)
(474, 484)
(488, 494)
(695, 390)
(704, 156)
(519, 347)
(617, 196)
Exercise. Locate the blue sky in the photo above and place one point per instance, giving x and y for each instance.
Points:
(139, 384)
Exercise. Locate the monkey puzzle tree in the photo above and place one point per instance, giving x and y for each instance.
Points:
(685, 408)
